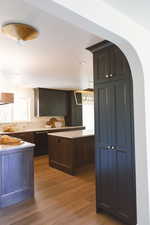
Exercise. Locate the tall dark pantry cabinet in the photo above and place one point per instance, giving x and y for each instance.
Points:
(115, 160)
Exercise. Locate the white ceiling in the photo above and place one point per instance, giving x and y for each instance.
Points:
(137, 10)
(53, 60)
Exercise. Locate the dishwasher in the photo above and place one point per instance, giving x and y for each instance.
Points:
(41, 143)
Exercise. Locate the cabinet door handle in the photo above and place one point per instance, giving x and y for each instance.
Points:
(111, 75)
(107, 76)
(108, 147)
(113, 148)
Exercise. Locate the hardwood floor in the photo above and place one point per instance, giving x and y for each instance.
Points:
(60, 199)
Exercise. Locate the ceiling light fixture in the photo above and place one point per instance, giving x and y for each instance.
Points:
(20, 31)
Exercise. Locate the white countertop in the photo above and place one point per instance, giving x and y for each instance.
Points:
(40, 129)
(4, 148)
(73, 134)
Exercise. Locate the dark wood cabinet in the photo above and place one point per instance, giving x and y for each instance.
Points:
(105, 138)
(115, 161)
(25, 136)
(109, 62)
(75, 110)
(50, 102)
(119, 67)
(68, 154)
(41, 143)
(101, 65)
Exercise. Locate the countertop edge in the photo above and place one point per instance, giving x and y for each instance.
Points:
(70, 137)
(9, 148)
(42, 129)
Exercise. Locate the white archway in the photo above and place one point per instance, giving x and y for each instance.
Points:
(102, 20)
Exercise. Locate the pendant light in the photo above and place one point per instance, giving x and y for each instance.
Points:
(6, 98)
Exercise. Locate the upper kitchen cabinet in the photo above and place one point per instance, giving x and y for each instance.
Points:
(109, 62)
(50, 102)
(75, 109)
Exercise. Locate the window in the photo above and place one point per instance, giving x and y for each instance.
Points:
(6, 113)
(19, 111)
(88, 110)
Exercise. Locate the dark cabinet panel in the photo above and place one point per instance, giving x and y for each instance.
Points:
(115, 161)
(105, 115)
(75, 111)
(114, 150)
(49, 102)
(106, 180)
(61, 154)
(109, 62)
(105, 138)
(25, 136)
(69, 154)
(101, 65)
(41, 143)
(119, 67)
(125, 188)
(76, 116)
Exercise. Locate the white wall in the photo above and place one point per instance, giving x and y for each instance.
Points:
(88, 116)
(100, 19)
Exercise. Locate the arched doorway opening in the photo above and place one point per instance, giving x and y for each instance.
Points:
(104, 24)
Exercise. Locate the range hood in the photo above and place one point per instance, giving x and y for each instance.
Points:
(6, 98)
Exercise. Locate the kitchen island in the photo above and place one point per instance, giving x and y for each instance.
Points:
(16, 173)
(71, 150)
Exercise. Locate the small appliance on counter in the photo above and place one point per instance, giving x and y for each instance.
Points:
(55, 123)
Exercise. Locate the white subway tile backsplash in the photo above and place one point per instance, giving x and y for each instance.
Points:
(38, 122)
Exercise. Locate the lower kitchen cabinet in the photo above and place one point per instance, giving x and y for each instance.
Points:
(69, 154)
(39, 138)
(41, 143)
(25, 136)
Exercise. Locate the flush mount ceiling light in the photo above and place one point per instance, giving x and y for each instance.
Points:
(20, 31)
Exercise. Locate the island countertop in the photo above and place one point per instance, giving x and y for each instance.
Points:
(24, 145)
(73, 134)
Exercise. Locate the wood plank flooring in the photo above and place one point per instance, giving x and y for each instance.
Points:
(60, 199)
